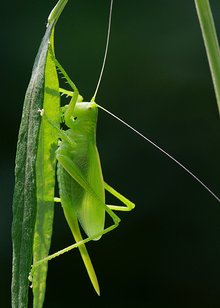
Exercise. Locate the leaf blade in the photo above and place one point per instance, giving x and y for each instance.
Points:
(45, 175)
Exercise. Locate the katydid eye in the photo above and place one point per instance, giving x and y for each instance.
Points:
(75, 118)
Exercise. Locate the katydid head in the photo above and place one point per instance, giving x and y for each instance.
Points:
(84, 117)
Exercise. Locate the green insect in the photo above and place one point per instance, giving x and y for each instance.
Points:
(80, 179)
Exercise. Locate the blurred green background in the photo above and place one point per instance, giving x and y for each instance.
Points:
(166, 253)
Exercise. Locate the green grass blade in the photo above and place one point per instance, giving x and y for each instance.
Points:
(211, 43)
(25, 199)
(45, 175)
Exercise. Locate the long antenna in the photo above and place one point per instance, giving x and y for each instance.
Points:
(163, 151)
(106, 50)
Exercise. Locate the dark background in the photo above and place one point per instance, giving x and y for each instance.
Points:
(166, 253)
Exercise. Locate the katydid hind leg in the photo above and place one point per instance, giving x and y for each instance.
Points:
(74, 226)
(128, 204)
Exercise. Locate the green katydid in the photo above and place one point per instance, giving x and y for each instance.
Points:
(79, 173)
(80, 179)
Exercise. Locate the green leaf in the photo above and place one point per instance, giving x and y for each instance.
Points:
(45, 175)
(25, 198)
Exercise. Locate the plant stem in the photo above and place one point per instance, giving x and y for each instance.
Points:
(211, 43)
